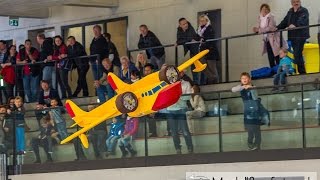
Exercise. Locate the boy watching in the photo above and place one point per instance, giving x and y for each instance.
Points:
(56, 116)
(251, 111)
(285, 69)
(116, 131)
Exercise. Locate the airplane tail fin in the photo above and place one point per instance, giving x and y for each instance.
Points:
(75, 113)
(199, 66)
(116, 83)
(196, 61)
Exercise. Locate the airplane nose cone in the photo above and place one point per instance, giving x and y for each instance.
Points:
(168, 96)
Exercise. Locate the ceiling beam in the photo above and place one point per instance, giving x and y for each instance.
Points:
(92, 3)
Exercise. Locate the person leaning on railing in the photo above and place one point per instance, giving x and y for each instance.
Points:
(297, 16)
(7, 71)
(75, 49)
(30, 71)
(206, 31)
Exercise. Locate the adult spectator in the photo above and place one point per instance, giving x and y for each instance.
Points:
(126, 68)
(99, 45)
(141, 61)
(46, 50)
(205, 31)
(186, 34)
(148, 69)
(113, 51)
(75, 49)
(177, 118)
(59, 55)
(7, 71)
(271, 41)
(147, 40)
(44, 101)
(3, 50)
(29, 56)
(103, 87)
(297, 16)
(8, 130)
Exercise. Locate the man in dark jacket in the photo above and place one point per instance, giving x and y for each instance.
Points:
(75, 49)
(99, 45)
(46, 49)
(147, 40)
(297, 16)
(113, 51)
(185, 34)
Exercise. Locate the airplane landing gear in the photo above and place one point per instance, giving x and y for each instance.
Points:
(169, 74)
(127, 102)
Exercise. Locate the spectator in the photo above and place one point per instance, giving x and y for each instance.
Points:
(126, 68)
(251, 111)
(130, 130)
(177, 118)
(18, 113)
(8, 129)
(198, 106)
(99, 45)
(103, 87)
(271, 41)
(31, 71)
(45, 96)
(97, 136)
(115, 133)
(78, 149)
(46, 50)
(186, 34)
(8, 71)
(141, 61)
(285, 68)
(148, 69)
(297, 16)
(147, 40)
(10, 103)
(205, 31)
(3, 50)
(59, 54)
(75, 49)
(135, 76)
(319, 33)
(59, 121)
(3, 112)
(113, 51)
(43, 140)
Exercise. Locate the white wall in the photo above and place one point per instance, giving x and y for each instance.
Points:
(161, 16)
(178, 172)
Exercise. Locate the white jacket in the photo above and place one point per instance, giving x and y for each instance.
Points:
(198, 103)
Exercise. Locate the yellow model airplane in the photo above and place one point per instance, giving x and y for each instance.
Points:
(154, 92)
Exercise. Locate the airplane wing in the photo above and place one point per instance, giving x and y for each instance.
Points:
(196, 61)
(117, 84)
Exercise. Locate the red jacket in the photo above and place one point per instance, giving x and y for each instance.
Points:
(8, 74)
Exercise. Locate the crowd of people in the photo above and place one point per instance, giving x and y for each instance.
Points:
(41, 75)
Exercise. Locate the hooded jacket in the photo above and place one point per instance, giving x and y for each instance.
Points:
(116, 129)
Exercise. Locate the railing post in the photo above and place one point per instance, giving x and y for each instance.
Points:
(176, 56)
(227, 60)
(220, 125)
(146, 153)
(303, 118)
(281, 37)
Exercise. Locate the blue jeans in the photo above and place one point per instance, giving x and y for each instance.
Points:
(97, 70)
(49, 74)
(179, 124)
(111, 142)
(102, 90)
(125, 141)
(20, 141)
(31, 87)
(280, 77)
(62, 130)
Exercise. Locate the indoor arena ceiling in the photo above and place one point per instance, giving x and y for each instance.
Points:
(40, 8)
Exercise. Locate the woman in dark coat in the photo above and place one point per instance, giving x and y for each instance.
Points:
(205, 31)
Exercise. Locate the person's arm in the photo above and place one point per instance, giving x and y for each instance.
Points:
(237, 88)
(103, 79)
(19, 61)
(180, 39)
(284, 22)
(303, 19)
(34, 56)
(141, 43)
(271, 25)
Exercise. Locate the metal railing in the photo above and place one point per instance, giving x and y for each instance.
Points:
(226, 39)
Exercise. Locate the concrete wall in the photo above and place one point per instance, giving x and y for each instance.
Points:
(178, 172)
(161, 16)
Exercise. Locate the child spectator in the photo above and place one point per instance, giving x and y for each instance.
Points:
(3, 112)
(59, 121)
(199, 108)
(18, 113)
(135, 76)
(43, 140)
(11, 103)
(130, 130)
(8, 129)
(251, 111)
(285, 69)
(116, 131)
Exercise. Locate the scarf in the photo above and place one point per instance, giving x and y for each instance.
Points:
(201, 30)
(264, 21)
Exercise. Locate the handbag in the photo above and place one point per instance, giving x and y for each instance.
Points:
(66, 64)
